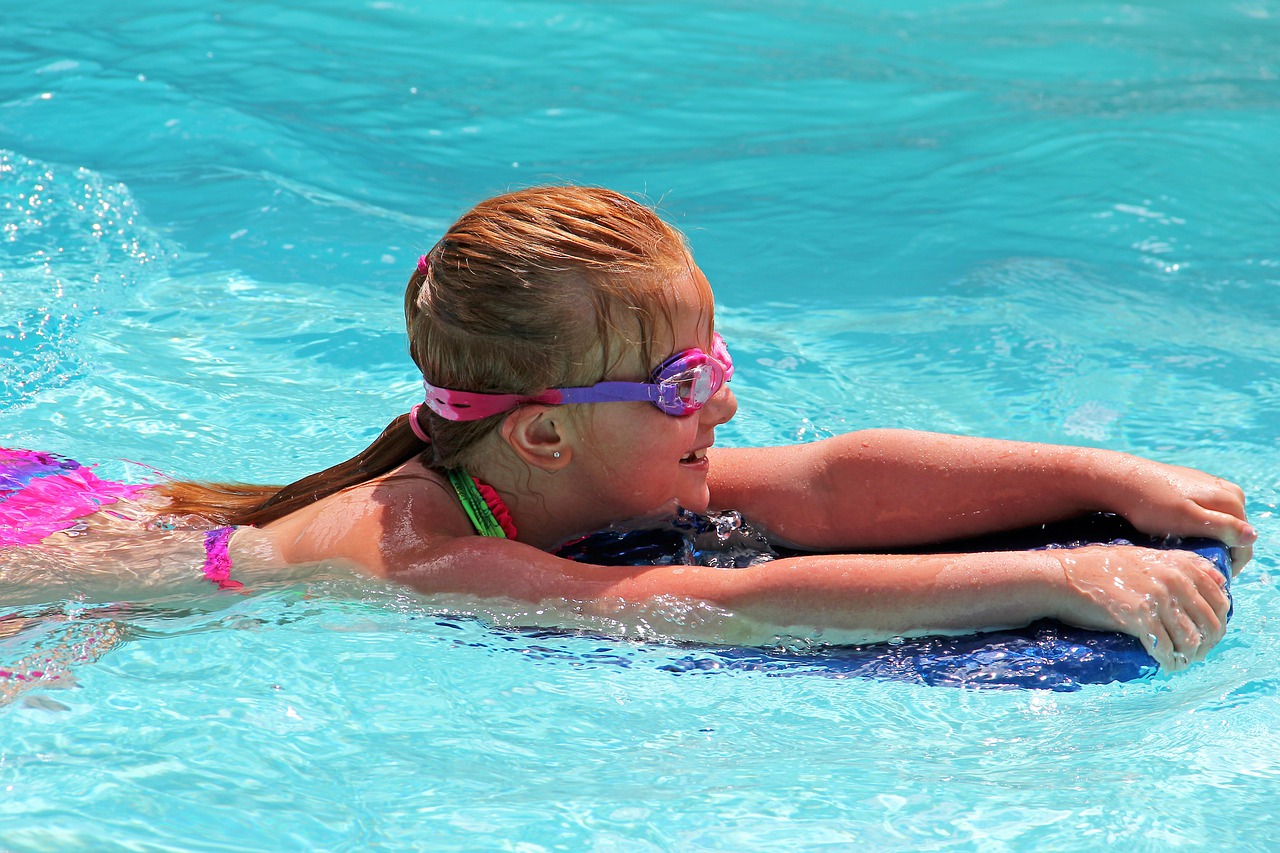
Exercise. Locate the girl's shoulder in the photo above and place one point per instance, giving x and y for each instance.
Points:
(378, 526)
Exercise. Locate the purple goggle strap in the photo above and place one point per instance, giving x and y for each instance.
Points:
(474, 405)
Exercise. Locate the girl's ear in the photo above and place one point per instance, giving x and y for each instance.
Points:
(540, 436)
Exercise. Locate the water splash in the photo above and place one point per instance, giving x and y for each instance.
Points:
(71, 242)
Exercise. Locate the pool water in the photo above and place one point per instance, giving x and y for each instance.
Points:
(1052, 221)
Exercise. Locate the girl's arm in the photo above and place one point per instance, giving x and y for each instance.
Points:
(901, 488)
(1172, 601)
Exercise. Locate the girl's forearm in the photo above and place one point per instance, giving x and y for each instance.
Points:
(1172, 601)
(875, 595)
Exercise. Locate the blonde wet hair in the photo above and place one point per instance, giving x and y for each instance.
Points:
(537, 289)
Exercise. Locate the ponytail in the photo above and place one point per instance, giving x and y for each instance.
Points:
(242, 504)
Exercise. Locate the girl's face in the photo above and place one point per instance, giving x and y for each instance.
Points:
(638, 459)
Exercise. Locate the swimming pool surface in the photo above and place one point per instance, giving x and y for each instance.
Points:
(1052, 221)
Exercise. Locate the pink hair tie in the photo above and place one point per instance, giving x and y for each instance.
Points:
(416, 426)
(424, 264)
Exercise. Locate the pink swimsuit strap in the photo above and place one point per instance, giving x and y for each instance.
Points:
(497, 506)
(217, 562)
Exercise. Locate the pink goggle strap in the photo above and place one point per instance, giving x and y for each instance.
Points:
(416, 425)
(474, 405)
(720, 353)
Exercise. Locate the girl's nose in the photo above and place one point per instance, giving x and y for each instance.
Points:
(722, 406)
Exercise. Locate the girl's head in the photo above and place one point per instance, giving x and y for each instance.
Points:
(542, 288)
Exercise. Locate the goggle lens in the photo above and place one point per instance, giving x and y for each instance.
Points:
(687, 381)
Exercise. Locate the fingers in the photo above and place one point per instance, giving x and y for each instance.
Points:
(1240, 557)
(1185, 502)
(1174, 602)
(1175, 639)
(1229, 528)
(1160, 646)
(1194, 613)
(1212, 587)
(1237, 534)
(1229, 523)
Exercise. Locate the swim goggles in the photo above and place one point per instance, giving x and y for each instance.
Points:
(679, 386)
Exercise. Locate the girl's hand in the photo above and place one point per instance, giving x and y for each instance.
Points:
(1165, 500)
(1172, 601)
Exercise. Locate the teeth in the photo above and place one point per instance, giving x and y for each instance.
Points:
(695, 455)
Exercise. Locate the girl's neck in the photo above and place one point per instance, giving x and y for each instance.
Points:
(548, 509)
(543, 518)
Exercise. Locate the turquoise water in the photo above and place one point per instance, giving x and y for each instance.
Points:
(1050, 221)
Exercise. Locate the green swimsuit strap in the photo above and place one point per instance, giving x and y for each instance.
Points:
(477, 510)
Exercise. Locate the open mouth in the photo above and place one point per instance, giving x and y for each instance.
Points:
(694, 456)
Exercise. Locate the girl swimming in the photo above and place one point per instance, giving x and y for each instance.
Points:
(574, 379)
